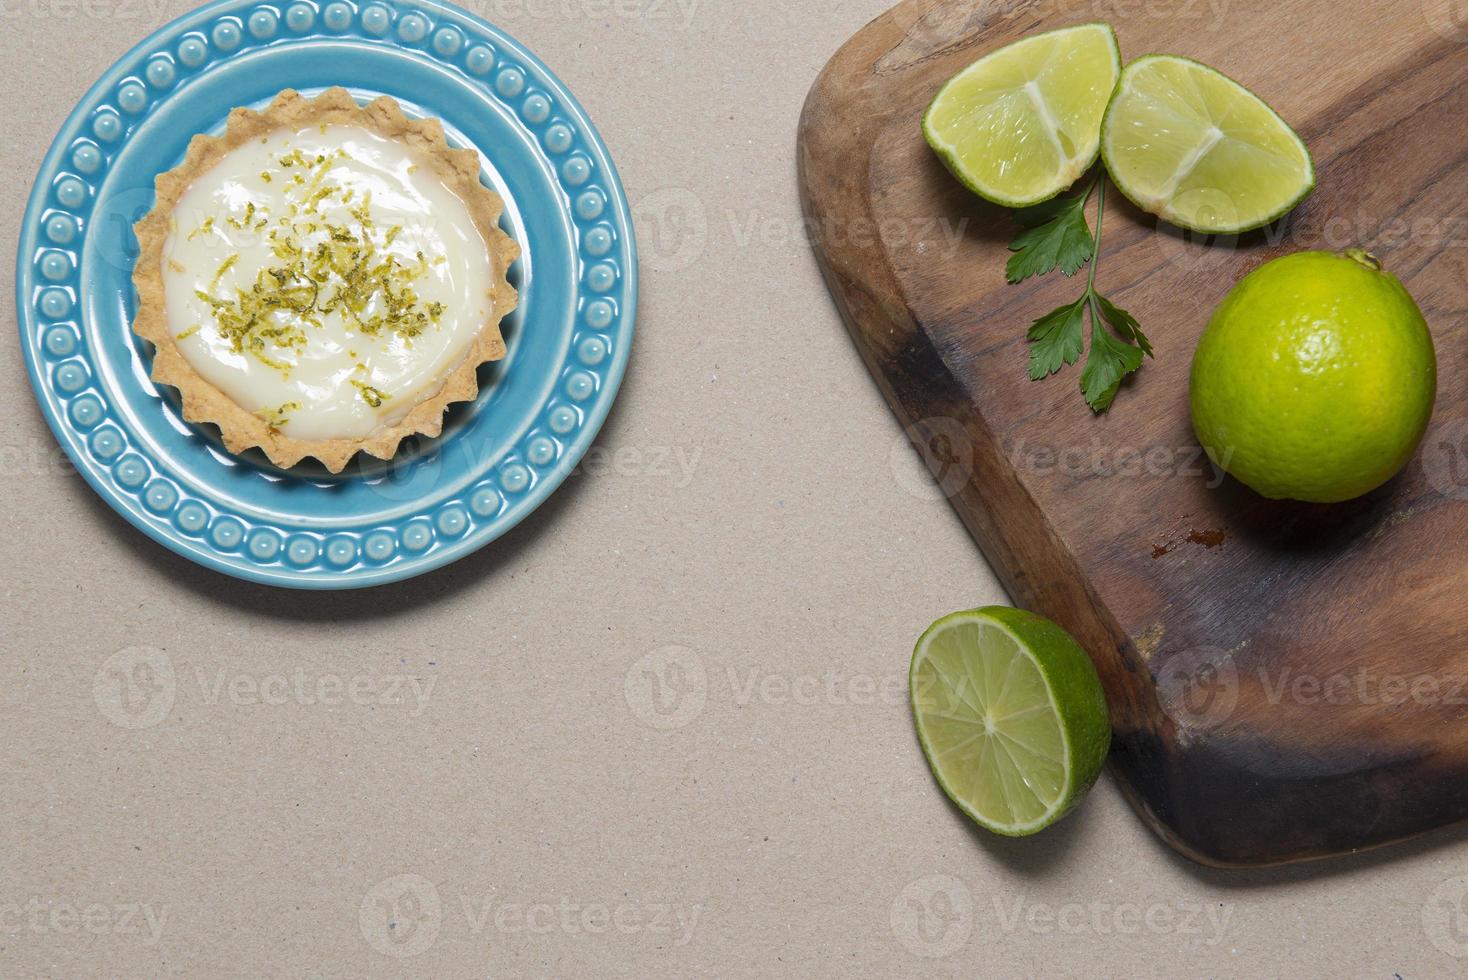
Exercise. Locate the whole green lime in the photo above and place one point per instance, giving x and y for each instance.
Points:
(1315, 377)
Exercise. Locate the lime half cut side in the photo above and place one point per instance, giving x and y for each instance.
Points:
(1197, 149)
(1019, 125)
(1011, 715)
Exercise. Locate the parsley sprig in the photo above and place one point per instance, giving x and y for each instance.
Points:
(1056, 236)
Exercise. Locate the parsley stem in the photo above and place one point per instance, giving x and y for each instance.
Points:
(1096, 249)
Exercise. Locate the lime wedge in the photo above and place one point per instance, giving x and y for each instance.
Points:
(1019, 125)
(1011, 716)
(1199, 150)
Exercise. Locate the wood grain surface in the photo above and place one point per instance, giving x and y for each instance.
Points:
(1286, 681)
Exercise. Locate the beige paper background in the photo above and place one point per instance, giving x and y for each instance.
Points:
(490, 761)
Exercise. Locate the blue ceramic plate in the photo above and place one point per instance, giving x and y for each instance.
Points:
(438, 499)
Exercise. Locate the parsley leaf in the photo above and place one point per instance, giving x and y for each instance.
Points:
(1057, 339)
(1056, 236)
(1111, 358)
(1123, 323)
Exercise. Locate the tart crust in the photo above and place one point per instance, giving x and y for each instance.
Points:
(243, 429)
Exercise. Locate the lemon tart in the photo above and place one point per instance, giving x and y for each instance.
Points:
(323, 278)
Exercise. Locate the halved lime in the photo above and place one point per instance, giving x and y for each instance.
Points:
(1019, 125)
(1011, 716)
(1197, 149)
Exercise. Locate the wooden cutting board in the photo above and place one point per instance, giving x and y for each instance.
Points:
(1286, 681)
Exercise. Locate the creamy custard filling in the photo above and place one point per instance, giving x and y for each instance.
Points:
(325, 280)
